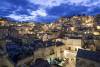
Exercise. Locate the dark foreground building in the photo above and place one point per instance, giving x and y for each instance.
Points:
(87, 58)
(40, 63)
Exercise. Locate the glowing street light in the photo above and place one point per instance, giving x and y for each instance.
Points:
(19, 25)
(96, 33)
(72, 28)
(89, 20)
(90, 24)
(66, 52)
(98, 27)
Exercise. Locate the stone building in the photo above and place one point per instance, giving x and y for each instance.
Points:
(3, 22)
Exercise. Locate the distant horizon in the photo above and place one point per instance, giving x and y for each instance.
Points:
(47, 10)
(11, 19)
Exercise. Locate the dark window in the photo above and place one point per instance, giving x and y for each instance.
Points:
(52, 52)
(69, 48)
(75, 49)
(4, 66)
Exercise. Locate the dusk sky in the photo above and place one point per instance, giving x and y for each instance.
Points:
(46, 10)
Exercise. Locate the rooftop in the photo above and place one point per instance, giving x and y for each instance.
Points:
(90, 55)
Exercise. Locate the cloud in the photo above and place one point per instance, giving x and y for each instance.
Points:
(47, 10)
(47, 3)
(49, 18)
(67, 7)
(32, 17)
(15, 5)
(21, 17)
(64, 10)
(4, 5)
(52, 3)
(39, 12)
(39, 15)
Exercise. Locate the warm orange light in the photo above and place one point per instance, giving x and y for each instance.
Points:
(98, 27)
(96, 33)
(72, 28)
(19, 25)
(89, 24)
(89, 20)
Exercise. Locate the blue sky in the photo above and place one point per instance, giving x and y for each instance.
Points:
(46, 10)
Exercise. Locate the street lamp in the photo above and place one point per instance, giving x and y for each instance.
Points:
(98, 27)
(72, 28)
(96, 33)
